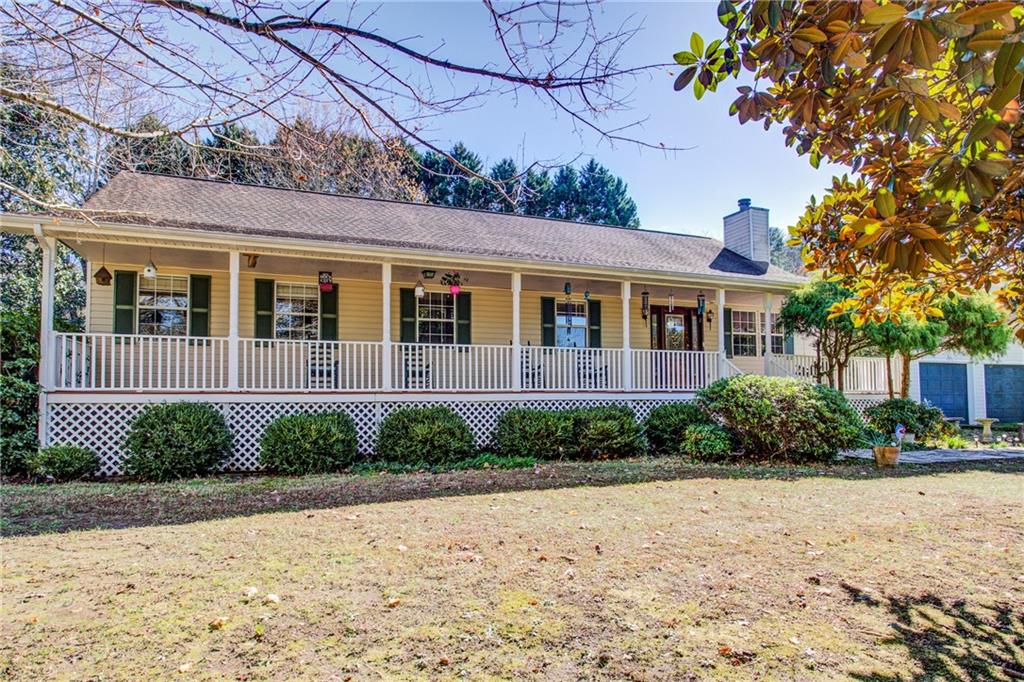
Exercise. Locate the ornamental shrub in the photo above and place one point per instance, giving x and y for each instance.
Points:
(540, 434)
(19, 417)
(424, 435)
(176, 440)
(705, 443)
(667, 423)
(62, 463)
(782, 419)
(922, 420)
(604, 433)
(309, 443)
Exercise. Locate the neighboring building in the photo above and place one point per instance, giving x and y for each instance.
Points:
(268, 301)
(971, 389)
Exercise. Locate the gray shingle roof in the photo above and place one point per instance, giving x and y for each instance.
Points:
(215, 206)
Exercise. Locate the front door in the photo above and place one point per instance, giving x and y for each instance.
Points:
(678, 329)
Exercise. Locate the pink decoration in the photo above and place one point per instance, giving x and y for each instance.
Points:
(455, 289)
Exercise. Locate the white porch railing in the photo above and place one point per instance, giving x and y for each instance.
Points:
(447, 367)
(862, 374)
(134, 362)
(674, 370)
(292, 365)
(570, 369)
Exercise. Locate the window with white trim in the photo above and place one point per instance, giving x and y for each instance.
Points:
(777, 333)
(435, 318)
(163, 305)
(296, 311)
(744, 333)
(570, 324)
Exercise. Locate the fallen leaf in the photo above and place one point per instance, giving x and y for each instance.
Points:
(218, 623)
(394, 602)
(271, 598)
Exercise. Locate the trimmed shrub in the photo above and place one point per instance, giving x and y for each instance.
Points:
(309, 443)
(604, 433)
(424, 435)
(19, 417)
(922, 420)
(705, 443)
(176, 440)
(62, 463)
(539, 434)
(667, 423)
(782, 419)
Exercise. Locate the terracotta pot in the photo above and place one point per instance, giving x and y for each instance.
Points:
(886, 455)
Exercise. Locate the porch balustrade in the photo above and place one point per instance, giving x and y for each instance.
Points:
(862, 374)
(668, 370)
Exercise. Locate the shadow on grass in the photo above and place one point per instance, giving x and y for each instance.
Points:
(954, 641)
(37, 509)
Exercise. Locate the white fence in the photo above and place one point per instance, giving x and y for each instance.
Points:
(669, 370)
(571, 369)
(140, 363)
(285, 365)
(862, 375)
(447, 367)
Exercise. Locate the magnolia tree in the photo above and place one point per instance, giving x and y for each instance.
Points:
(921, 101)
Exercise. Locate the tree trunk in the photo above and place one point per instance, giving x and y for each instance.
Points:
(840, 376)
(888, 375)
(905, 383)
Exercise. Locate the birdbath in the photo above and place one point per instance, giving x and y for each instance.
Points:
(986, 429)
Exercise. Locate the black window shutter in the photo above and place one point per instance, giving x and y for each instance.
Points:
(264, 309)
(463, 318)
(594, 320)
(547, 321)
(329, 314)
(407, 311)
(199, 305)
(124, 302)
(728, 331)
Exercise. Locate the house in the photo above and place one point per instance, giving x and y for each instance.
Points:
(268, 301)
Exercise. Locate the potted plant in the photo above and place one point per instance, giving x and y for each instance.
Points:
(885, 448)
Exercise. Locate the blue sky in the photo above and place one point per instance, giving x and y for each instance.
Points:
(687, 191)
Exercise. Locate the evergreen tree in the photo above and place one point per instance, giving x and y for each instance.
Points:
(163, 154)
(604, 198)
(503, 193)
(564, 201)
(234, 153)
(535, 199)
(467, 191)
(783, 255)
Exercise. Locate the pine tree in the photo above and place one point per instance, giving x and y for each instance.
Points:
(604, 198)
(503, 193)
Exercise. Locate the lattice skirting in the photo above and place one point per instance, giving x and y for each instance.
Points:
(102, 426)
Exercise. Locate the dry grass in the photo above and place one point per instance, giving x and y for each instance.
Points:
(832, 578)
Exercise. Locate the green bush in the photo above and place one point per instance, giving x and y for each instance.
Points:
(667, 423)
(424, 435)
(924, 421)
(781, 419)
(604, 433)
(19, 416)
(540, 434)
(705, 443)
(309, 443)
(62, 463)
(176, 440)
(486, 460)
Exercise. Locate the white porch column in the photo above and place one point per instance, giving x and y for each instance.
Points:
(47, 355)
(233, 266)
(385, 332)
(767, 331)
(517, 362)
(720, 316)
(627, 353)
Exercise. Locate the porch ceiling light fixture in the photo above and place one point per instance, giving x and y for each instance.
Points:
(419, 290)
(251, 259)
(645, 305)
(149, 272)
(103, 275)
(428, 274)
(567, 288)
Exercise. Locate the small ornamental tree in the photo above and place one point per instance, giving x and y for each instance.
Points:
(809, 311)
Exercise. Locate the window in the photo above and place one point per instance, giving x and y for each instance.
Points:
(435, 318)
(296, 311)
(570, 324)
(163, 305)
(778, 336)
(744, 333)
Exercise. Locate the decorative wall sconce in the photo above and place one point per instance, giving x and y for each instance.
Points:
(149, 272)
(419, 290)
(645, 305)
(586, 295)
(251, 259)
(103, 275)
(568, 289)
(428, 274)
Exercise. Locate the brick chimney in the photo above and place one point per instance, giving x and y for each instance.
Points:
(746, 232)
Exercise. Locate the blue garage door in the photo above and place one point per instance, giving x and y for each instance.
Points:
(945, 386)
(1004, 392)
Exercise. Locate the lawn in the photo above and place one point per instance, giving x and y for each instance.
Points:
(654, 570)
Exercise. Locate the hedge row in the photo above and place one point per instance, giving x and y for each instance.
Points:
(753, 417)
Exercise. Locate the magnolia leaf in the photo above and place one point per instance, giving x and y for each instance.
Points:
(885, 203)
(885, 14)
(810, 35)
(1003, 96)
(696, 44)
(986, 12)
(685, 58)
(684, 78)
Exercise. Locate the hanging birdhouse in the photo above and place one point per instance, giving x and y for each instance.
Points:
(419, 290)
(102, 276)
(326, 280)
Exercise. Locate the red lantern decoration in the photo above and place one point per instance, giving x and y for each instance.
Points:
(326, 282)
